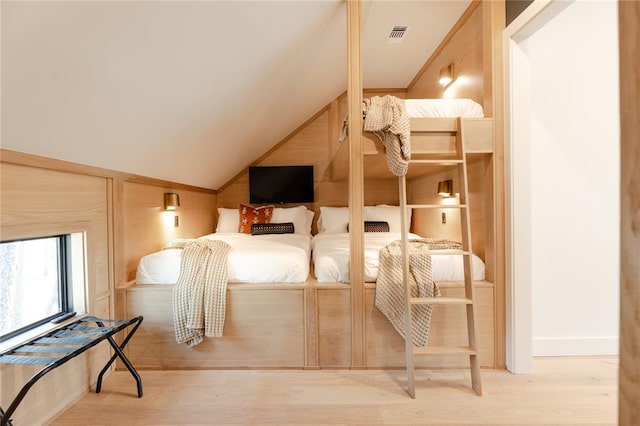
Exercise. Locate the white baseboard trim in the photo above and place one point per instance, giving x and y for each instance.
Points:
(576, 346)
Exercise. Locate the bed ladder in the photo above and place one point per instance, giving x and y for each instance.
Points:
(459, 161)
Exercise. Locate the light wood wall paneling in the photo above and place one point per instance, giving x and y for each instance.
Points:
(462, 47)
(40, 202)
(117, 234)
(147, 227)
(428, 222)
(276, 147)
(335, 128)
(629, 395)
(316, 142)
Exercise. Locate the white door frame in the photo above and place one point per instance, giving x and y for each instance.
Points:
(518, 251)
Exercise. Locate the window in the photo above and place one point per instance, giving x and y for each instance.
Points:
(34, 283)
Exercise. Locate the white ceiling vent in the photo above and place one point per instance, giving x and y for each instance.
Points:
(397, 34)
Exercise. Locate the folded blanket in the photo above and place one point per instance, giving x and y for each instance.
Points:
(199, 296)
(389, 297)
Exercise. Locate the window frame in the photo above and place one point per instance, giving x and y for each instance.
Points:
(65, 289)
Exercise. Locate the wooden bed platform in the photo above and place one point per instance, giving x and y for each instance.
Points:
(429, 137)
(296, 326)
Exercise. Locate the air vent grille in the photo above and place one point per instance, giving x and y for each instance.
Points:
(397, 34)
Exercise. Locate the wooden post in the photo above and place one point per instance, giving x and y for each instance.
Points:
(356, 183)
(629, 34)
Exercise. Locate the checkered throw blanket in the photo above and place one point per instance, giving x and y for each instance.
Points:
(200, 294)
(389, 297)
(387, 118)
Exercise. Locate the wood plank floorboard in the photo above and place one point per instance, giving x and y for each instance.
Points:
(562, 391)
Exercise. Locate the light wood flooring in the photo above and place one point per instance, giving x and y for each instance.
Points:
(562, 391)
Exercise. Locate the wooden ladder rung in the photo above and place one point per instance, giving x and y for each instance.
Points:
(440, 301)
(439, 162)
(447, 252)
(437, 206)
(444, 350)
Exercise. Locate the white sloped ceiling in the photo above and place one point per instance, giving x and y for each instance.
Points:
(191, 92)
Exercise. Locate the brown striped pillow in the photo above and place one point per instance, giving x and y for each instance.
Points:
(272, 228)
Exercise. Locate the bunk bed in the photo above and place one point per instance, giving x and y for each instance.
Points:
(309, 324)
(433, 132)
(432, 137)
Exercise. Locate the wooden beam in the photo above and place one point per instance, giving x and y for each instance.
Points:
(629, 383)
(356, 183)
(493, 22)
(24, 159)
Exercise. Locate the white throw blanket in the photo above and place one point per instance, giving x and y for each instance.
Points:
(389, 296)
(387, 118)
(199, 296)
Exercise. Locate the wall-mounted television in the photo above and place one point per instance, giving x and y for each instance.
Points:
(280, 184)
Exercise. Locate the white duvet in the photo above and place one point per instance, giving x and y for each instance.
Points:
(272, 258)
(443, 108)
(331, 258)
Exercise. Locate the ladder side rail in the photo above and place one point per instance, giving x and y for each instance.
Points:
(408, 336)
(465, 214)
(465, 221)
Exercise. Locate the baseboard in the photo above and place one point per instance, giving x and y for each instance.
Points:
(576, 346)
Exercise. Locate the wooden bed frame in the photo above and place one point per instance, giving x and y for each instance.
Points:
(429, 137)
(296, 326)
(309, 325)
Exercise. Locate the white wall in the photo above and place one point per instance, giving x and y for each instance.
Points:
(574, 181)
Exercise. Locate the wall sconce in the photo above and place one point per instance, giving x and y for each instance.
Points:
(445, 188)
(171, 201)
(446, 75)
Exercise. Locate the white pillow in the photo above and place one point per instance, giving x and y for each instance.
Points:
(389, 214)
(297, 215)
(310, 214)
(333, 219)
(228, 220)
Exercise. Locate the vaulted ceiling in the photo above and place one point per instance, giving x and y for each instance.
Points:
(191, 92)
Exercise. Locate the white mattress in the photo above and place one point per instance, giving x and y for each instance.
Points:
(331, 258)
(443, 108)
(281, 258)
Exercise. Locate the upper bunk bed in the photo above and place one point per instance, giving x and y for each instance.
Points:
(435, 124)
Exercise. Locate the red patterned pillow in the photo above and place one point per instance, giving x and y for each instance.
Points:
(250, 215)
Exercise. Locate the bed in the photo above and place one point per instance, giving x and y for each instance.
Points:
(252, 259)
(331, 258)
(435, 125)
(266, 258)
(265, 318)
(330, 247)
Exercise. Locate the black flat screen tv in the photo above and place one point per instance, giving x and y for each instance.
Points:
(280, 184)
